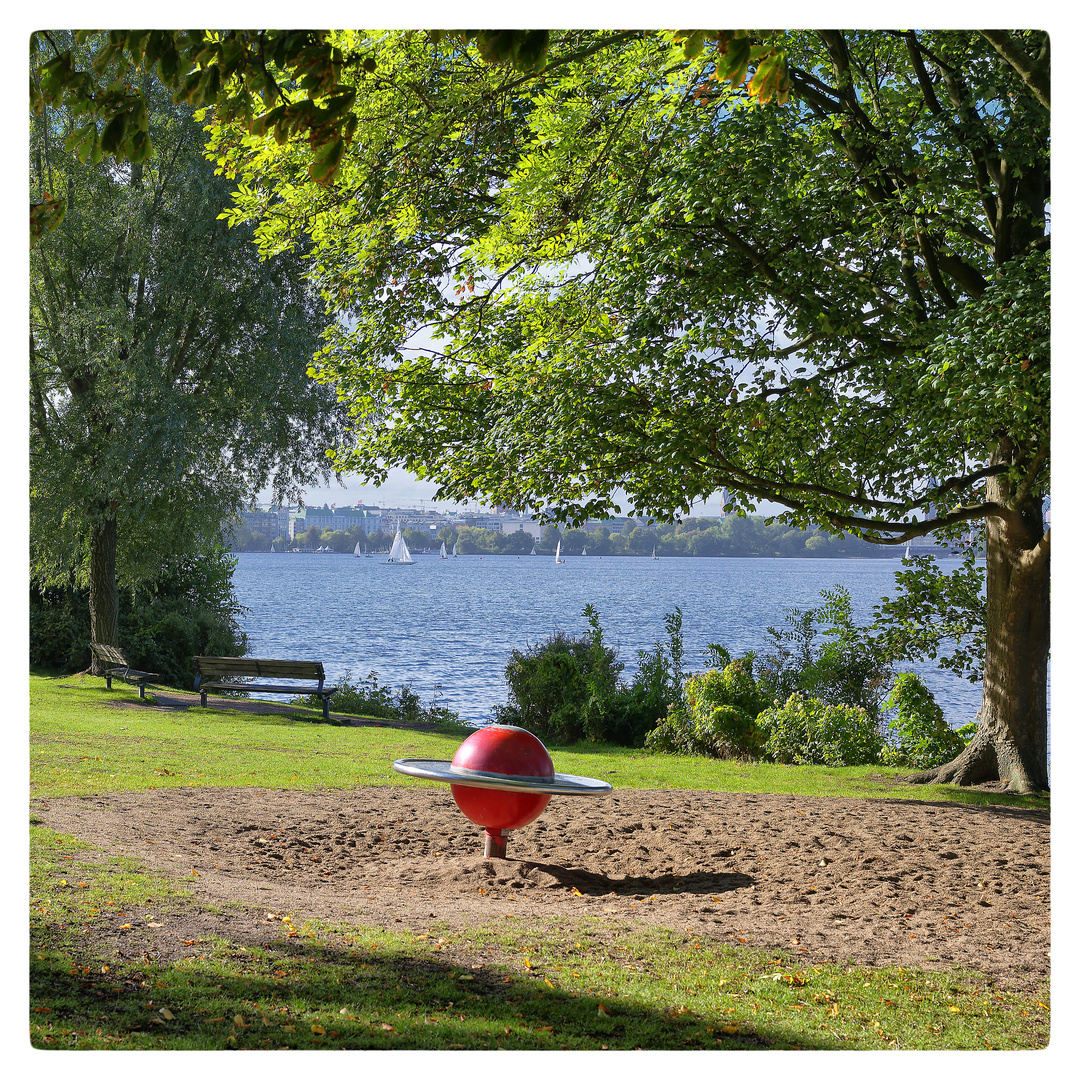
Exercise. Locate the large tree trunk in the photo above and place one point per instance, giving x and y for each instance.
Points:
(1010, 744)
(104, 594)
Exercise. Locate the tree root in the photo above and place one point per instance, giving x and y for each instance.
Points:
(976, 763)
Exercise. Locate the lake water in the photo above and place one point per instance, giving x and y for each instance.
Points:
(452, 623)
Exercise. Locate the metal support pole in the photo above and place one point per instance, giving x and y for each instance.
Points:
(495, 843)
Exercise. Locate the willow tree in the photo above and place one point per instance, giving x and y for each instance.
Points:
(168, 363)
(620, 273)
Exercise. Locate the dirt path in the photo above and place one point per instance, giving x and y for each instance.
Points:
(871, 881)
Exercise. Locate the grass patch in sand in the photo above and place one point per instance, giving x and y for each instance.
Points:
(86, 740)
(510, 985)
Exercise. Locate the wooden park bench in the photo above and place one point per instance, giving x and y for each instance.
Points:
(217, 673)
(117, 666)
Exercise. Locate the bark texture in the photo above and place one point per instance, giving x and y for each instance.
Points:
(1010, 744)
(104, 593)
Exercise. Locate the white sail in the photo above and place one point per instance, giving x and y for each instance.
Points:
(455, 551)
(584, 552)
(442, 552)
(399, 550)
(533, 552)
(356, 550)
(558, 552)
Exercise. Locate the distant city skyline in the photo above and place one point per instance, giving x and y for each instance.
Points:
(402, 489)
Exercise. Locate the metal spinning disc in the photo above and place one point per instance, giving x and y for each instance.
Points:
(447, 773)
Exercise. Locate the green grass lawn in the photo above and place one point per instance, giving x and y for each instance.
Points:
(510, 985)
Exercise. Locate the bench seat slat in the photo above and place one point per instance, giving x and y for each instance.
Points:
(131, 673)
(265, 688)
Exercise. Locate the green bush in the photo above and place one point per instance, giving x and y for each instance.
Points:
(368, 698)
(808, 731)
(188, 610)
(920, 738)
(554, 684)
(718, 717)
(849, 668)
(565, 688)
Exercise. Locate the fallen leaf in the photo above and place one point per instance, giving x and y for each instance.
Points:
(386, 1027)
(318, 1029)
(167, 1014)
(601, 1011)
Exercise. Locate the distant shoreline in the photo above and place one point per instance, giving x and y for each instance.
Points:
(433, 554)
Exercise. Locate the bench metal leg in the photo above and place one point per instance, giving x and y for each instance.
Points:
(202, 698)
(108, 682)
(142, 690)
(326, 709)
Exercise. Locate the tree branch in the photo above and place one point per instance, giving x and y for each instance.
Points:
(1035, 73)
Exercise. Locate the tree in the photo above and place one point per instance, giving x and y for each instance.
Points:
(288, 83)
(838, 305)
(167, 365)
(549, 538)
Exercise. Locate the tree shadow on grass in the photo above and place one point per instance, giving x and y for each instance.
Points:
(300, 994)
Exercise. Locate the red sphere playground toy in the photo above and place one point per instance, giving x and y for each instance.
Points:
(502, 778)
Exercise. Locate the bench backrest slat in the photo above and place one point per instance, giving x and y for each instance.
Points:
(109, 654)
(212, 666)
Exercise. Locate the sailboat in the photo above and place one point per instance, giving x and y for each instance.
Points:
(533, 552)
(356, 550)
(442, 551)
(273, 549)
(399, 551)
(558, 553)
(584, 552)
(455, 550)
(654, 555)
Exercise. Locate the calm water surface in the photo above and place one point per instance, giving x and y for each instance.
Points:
(452, 623)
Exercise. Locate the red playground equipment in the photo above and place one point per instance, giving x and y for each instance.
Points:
(502, 778)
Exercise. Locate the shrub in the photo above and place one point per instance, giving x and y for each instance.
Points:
(566, 688)
(848, 669)
(808, 731)
(718, 717)
(553, 684)
(921, 738)
(368, 698)
(656, 689)
(188, 610)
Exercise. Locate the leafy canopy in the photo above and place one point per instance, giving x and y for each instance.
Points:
(168, 362)
(622, 273)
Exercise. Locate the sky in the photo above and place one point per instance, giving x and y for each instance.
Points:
(405, 491)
